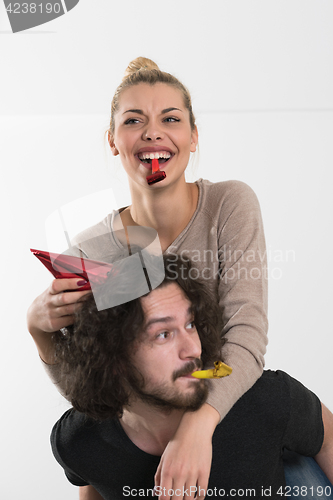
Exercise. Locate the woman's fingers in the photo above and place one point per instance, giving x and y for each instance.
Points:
(68, 300)
(54, 308)
(202, 485)
(63, 300)
(181, 488)
(184, 468)
(175, 481)
(63, 284)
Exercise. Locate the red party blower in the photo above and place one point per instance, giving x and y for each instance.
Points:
(69, 266)
(157, 174)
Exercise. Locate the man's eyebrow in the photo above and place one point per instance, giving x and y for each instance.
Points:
(140, 112)
(166, 319)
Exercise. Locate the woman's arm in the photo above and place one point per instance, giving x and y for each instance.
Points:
(186, 461)
(230, 211)
(242, 290)
(89, 493)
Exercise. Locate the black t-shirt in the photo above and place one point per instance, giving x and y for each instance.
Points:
(277, 412)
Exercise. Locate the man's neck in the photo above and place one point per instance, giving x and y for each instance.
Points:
(149, 428)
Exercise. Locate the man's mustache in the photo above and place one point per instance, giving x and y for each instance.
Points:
(190, 367)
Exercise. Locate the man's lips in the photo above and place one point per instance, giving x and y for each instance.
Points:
(188, 369)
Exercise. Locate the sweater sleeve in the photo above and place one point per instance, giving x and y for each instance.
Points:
(242, 290)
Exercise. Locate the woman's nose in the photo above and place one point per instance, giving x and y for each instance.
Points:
(152, 132)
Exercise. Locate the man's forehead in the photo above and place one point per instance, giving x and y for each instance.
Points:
(163, 300)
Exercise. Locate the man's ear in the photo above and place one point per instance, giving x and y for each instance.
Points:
(194, 140)
(114, 150)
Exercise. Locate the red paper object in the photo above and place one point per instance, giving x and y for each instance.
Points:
(69, 266)
(154, 166)
(157, 174)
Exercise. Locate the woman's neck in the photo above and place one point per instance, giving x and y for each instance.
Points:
(168, 211)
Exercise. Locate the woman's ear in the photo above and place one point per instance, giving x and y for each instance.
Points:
(114, 150)
(194, 140)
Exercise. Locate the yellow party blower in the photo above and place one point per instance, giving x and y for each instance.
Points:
(220, 370)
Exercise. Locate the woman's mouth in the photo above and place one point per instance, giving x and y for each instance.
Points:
(146, 158)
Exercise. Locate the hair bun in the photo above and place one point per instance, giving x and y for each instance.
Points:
(138, 64)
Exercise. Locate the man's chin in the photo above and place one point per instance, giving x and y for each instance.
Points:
(191, 401)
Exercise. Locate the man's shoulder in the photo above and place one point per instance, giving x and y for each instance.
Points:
(273, 384)
(276, 390)
(70, 424)
(269, 396)
(270, 405)
(278, 377)
(75, 427)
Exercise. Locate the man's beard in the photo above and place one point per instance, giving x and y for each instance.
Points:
(164, 397)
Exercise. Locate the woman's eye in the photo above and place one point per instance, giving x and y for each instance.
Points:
(171, 119)
(131, 120)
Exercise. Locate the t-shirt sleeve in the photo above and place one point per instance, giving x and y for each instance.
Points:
(74, 478)
(242, 293)
(304, 432)
(62, 450)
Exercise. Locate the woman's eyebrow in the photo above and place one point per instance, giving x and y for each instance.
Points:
(167, 110)
(140, 112)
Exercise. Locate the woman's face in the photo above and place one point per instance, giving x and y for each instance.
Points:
(152, 120)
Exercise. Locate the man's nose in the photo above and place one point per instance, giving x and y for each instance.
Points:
(190, 345)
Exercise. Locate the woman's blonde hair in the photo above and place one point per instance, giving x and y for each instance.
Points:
(143, 70)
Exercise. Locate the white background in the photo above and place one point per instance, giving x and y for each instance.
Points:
(260, 74)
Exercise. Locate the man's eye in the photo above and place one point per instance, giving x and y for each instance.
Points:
(163, 335)
(191, 325)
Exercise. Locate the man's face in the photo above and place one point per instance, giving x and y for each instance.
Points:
(169, 351)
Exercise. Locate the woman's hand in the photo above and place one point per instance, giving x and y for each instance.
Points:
(52, 310)
(186, 461)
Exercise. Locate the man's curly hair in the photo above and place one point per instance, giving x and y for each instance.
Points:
(93, 356)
